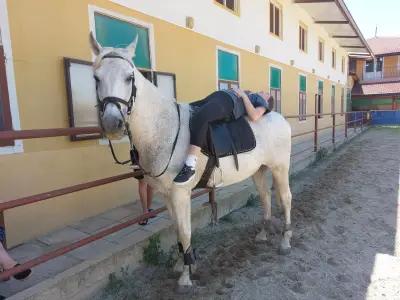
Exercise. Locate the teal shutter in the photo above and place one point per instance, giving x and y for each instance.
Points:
(228, 66)
(275, 80)
(111, 32)
(320, 87)
(303, 83)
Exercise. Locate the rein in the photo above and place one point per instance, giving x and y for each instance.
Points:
(117, 101)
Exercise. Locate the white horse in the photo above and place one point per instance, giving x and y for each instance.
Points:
(161, 136)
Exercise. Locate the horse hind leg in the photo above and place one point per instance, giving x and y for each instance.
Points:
(260, 181)
(281, 178)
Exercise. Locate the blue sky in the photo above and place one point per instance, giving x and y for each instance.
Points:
(371, 13)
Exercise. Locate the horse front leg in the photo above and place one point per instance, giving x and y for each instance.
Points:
(181, 206)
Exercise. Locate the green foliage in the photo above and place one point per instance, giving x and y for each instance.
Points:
(321, 154)
(252, 201)
(154, 255)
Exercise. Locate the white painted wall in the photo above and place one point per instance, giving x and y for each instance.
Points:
(251, 28)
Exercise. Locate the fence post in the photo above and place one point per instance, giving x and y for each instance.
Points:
(333, 127)
(345, 125)
(362, 120)
(316, 132)
(213, 204)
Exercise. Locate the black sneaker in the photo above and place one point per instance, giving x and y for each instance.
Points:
(185, 175)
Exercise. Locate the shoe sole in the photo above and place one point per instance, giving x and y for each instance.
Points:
(186, 182)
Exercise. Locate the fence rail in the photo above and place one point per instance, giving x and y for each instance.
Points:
(57, 132)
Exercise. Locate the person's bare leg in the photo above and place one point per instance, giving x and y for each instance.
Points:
(194, 150)
(143, 195)
(6, 261)
(149, 199)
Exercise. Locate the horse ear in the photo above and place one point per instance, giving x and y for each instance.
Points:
(96, 47)
(132, 46)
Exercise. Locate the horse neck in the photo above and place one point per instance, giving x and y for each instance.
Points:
(154, 124)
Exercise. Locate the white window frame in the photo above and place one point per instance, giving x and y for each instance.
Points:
(92, 9)
(236, 6)
(10, 74)
(269, 87)
(279, 6)
(217, 65)
(302, 119)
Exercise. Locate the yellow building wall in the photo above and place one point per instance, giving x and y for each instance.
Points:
(391, 66)
(42, 33)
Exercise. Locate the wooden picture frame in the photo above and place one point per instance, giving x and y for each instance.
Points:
(81, 97)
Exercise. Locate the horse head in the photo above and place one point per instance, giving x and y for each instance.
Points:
(116, 86)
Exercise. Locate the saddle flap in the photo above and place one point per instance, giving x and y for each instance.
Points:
(229, 138)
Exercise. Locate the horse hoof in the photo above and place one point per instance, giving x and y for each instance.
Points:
(184, 289)
(284, 250)
(261, 236)
(185, 282)
(178, 266)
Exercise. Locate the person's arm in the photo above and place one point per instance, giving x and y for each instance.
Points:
(254, 113)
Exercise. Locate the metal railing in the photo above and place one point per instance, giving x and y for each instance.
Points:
(386, 73)
(357, 121)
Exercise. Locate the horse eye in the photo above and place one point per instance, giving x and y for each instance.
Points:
(96, 78)
(129, 78)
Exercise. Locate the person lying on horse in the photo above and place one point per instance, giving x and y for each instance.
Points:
(220, 105)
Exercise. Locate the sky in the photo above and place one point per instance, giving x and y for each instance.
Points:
(371, 13)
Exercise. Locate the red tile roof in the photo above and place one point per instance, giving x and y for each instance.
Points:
(384, 45)
(386, 88)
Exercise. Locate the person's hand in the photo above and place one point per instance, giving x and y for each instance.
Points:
(239, 92)
(264, 95)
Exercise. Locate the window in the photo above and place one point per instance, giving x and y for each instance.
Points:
(5, 112)
(111, 32)
(302, 38)
(320, 99)
(230, 4)
(166, 83)
(333, 95)
(342, 102)
(343, 63)
(369, 66)
(379, 64)
(228, 70)
(275, 88)
(302, 97)
(334, 58)
(275, 19)
(321, 50)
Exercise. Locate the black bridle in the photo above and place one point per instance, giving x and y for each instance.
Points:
(118, 101)
(134, 159)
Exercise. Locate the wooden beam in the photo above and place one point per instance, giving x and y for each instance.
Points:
(355, 47)
(313, 1)
(332, 22)
(345, 36)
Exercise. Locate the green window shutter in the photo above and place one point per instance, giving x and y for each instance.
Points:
(303, 83)
(275, 80)
(111, 32)
(333, 91)
(228, 66)
(320, 87)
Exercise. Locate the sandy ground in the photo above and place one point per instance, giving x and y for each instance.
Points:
(344, 214)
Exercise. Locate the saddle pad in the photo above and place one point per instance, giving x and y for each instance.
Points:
(228, 138)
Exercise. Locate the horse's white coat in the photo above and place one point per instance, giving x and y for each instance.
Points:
(154, 125)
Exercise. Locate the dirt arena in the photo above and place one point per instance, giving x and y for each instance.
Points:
(344, 214)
